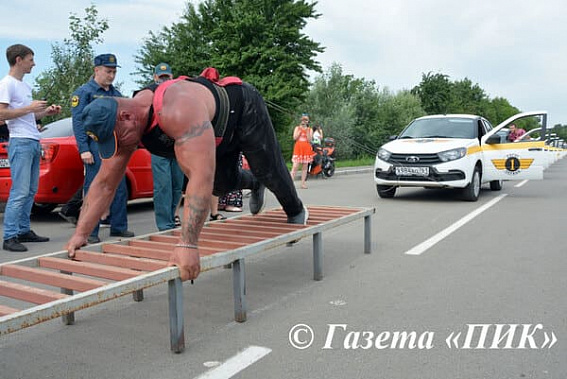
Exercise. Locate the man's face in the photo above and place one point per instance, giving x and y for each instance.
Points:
(104, 75)
(127, 128)
(512, 128)
(26, 63)
(162, 78)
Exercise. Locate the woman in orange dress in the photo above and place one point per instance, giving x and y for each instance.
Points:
(302, 150)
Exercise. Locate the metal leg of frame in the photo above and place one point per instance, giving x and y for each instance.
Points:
(317, 256)
(239, 288)
(367, 235)
(138, 295)
(68, 319)
(176, 322)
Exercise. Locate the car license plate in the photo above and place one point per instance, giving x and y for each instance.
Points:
(4, 163)
(412, 171)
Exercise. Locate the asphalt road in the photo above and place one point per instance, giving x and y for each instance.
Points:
(498, 278)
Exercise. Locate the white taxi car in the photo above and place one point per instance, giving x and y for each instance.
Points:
(457, 151)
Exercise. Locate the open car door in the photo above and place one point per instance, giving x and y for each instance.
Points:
(507, 160)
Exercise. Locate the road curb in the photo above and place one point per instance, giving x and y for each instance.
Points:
(354, 170)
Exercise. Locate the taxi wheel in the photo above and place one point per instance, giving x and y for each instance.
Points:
(386, 192)
(472, 191)
(496, 185)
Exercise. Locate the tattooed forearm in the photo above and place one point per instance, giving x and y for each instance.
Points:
(195, 213)
(194, 131)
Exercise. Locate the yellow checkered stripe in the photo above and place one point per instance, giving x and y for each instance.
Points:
(500, 164)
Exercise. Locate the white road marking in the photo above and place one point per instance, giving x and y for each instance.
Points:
(237, 363)
(425, 245)
(521, 183)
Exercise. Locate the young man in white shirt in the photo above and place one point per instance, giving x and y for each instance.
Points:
(20, 113)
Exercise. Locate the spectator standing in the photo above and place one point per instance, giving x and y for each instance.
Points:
(21, 113)
(168, 177)
(100, 85)
(317, 135)
(302, 150)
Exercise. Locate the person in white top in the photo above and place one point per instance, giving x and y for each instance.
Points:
(21, 114)
(317, 135)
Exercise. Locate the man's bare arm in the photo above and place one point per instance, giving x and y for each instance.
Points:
(12, 113)
(99, 197)
(195, 151)
(193, 132)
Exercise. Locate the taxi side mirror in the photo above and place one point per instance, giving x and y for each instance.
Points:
(494, 139)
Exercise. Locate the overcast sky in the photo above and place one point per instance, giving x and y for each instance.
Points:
(511, 48)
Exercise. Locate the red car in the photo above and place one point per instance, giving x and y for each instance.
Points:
(61, 169)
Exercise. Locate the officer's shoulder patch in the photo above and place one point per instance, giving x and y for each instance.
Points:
(74, 101)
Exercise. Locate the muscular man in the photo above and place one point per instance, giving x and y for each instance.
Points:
(187, 117)
(168, 177)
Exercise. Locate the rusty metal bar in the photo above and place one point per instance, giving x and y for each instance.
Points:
(367, 234)
(239, 288)
(176, 319)
(54, 309)
(317, 256)
(68, 319)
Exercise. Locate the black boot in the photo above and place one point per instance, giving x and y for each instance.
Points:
(258, 194)
(12, 244)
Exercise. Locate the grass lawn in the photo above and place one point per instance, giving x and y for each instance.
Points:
(365, 161)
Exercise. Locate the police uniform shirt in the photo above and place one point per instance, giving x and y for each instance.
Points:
(79, 100)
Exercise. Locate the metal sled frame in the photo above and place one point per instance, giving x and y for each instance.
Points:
(130, 266)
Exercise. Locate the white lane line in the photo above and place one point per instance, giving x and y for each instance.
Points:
(521, 183)
(237, 363)
(425, 245)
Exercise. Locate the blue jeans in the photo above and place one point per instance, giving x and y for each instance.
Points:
(168, 186)
(118, 214)
(23, 154)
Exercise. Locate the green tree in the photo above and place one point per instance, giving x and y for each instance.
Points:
(438, 95)
(330, 103)
(356, 112)
(396, 112)
(260, 41)
(498, 110)
(466, 97)
(561, 131)
(72, 60)
(435, 93)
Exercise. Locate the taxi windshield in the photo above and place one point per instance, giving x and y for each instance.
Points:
(445, 127)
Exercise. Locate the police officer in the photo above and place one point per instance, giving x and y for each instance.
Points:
(100, 85)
